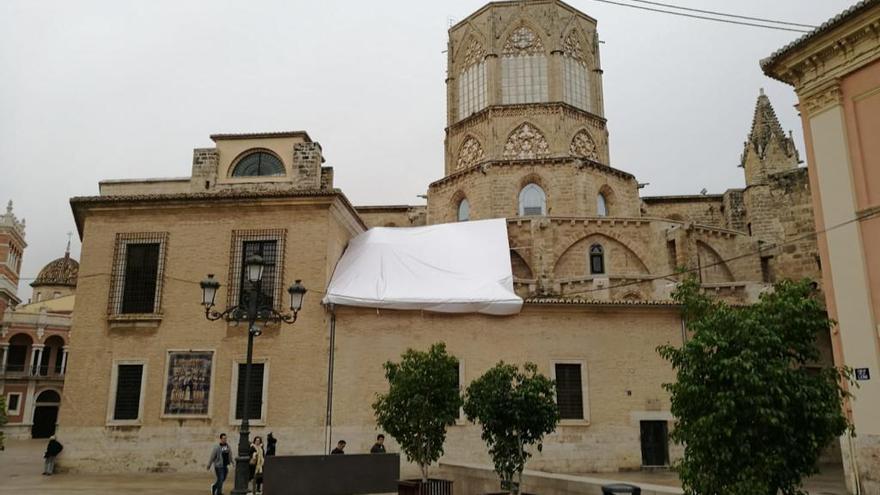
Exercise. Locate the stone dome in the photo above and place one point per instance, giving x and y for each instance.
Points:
(62, 271)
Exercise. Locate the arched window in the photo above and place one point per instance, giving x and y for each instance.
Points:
(472, 80)
(523, 68)
(464, 210)
(601, 205)
(532, 201)
(575, 77)
(258, 164)
(597, 259)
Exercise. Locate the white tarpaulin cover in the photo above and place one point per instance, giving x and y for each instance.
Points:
(459, 267)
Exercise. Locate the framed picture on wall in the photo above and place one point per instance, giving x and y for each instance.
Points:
(188, 376)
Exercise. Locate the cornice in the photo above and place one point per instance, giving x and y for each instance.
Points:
(484, 166)
(822, 98)
(525, 110)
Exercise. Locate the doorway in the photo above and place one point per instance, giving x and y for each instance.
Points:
(655, 443)
(45, 414)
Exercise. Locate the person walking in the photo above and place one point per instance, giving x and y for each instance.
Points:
(220, 460)
(270, 444)
(258, 456)
(379, 446)
(340, 448)
(52, 450)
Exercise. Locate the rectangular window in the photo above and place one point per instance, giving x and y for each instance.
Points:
(524, 79)
(13, 404)
(269, 244)
(255, 408)
(767, 270)
(459, 379)
(575, 88)
(655, 443)
(471, 90)
(129, 383)
(569, 390)
(136, 282)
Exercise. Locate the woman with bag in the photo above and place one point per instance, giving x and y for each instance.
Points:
(258, 456)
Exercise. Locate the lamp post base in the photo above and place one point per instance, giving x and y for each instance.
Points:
(242, 462)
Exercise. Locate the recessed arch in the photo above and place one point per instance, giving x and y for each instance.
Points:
(532, 200)
(257, 162)
(520, 267)
(619, 257)
(469, 153)
(525, 142)
(463, 211)
(523, 66)
(583, 145)
(713, 268)
(48, 396)
(605, 201)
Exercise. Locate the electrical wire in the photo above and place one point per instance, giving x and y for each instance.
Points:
(759, 19)
(682, 14)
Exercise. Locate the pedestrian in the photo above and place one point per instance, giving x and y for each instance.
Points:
(220, 460)
(52, 450)
(258, 456)
(379, 446)
(270, 444)
(340, 448)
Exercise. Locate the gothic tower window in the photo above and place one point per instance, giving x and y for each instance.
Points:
(469, 154)
(583, 146)
(472, 80)
(526, 142)
(575, 75)
(532, 201)
(601, 205)
(523, 68)
(464, 210)
(597, 259)
(258, 164)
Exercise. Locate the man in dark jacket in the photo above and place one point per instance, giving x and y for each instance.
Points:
(340, 448)
(52, 450)
(379, 446)
(270, 444)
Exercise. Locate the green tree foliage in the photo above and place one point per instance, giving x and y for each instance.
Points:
(515, 409)
(3, 420)
(752, 417)
(422, 401)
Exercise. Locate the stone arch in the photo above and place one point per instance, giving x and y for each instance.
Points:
(233, 165)
(606, 195)
(583, 145)
(48, 395)
(469, 153)
(456, 204)
(632, 295)
(520, 266)
(713, 268)
(522, 38)
(676, 217)
(575, 45)
(472, 50)
(619, 257)
(525, 142)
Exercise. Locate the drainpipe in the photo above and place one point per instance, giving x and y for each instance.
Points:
(328, 420)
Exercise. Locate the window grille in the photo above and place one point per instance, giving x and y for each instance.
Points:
(524, 79)
(259, 163)
(255, 407)
(569, 391)
(128, 391)
(597, 259)
(270, 245)
(575, 88)
(138, 265)
(472, 90)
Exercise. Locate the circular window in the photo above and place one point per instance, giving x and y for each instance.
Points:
(258, 163)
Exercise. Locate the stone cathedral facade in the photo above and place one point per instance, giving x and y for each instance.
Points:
(526, 140)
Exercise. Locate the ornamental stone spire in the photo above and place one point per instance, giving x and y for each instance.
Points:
(768, 149)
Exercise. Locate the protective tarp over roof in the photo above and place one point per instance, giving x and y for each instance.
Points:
(459, 267)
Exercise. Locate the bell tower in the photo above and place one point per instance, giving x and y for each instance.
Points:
(11, 251)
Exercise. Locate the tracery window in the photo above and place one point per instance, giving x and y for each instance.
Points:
(597, 259)
(532, 201)
(470, 153)
(472, 80)
(601, 205)
(464, 210)
(583, 145)
(526, 142)
(575, 75)
(258, 164)
(523, 68)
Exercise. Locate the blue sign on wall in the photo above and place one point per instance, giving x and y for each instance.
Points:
(863, 374)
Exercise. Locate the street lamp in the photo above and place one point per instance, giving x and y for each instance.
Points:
(256, 308)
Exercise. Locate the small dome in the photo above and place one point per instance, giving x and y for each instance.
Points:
(62, 271)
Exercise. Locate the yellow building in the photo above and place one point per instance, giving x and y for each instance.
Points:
(835, 71)
(152, 382)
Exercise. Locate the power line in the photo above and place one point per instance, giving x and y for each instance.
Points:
(682, 14)
(760, 19)
(733, 258)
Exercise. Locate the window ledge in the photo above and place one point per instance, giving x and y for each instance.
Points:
(574, 422)
(123, 423)
(253, 422)
(138, 320)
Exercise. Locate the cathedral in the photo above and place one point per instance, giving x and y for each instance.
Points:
(526, 140)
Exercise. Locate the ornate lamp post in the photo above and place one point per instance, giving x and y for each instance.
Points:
(255, 309)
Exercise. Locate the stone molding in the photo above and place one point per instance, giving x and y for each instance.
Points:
(822, 99)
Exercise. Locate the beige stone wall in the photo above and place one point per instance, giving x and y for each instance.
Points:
(392, 216)
(705, 210)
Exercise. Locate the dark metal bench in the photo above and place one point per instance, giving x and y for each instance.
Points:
(347, 474)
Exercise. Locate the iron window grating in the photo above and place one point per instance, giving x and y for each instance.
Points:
(128, 391)
(569, 391)
(255, 408)
(118, 275)
(236, 263)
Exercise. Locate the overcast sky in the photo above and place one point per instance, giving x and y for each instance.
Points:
(94, 90)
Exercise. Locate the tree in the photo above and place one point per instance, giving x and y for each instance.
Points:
(752, 416)
(3, 420)
(422, 401)
(515, 409)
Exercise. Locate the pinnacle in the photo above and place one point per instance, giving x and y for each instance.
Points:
(765, 124)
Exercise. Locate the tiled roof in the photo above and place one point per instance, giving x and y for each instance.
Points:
(598, 302)
(261, 135)
(822, 29)
(62, 271)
